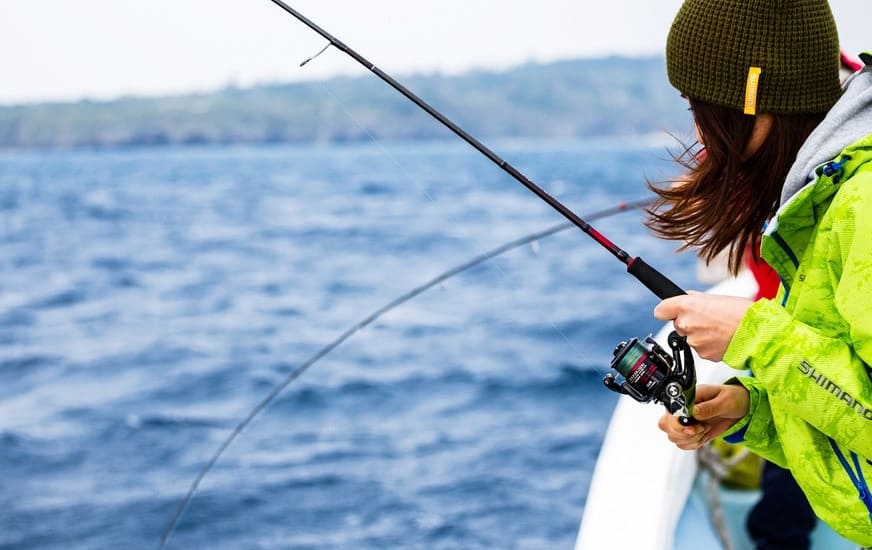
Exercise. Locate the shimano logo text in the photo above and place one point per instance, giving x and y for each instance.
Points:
(834, 389)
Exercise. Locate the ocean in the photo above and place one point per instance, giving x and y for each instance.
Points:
(149, 298)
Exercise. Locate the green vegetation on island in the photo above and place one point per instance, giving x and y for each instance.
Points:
(579, 98)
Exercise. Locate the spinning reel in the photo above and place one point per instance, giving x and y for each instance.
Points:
(650, 374)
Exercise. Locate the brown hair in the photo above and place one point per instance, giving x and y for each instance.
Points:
(727, 195)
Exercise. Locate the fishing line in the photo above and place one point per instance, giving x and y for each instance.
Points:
(362, 127)
(648, 276)
(377, 142)
(293, 375)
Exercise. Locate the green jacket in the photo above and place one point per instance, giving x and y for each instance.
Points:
(810, 349)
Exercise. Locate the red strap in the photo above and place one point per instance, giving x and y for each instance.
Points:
(766, 277)
(850, 63)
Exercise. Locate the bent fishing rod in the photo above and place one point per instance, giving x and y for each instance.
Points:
(360, 325)
(655, 281)
(650, 374)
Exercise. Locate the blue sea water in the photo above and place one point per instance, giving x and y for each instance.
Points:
(150, 298)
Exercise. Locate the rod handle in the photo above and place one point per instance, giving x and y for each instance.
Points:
(656, 282)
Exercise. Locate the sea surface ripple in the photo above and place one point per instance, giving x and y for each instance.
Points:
(149, 298)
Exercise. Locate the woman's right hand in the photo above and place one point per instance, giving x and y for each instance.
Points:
(717, 408)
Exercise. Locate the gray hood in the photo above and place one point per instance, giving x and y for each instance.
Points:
(849, 120)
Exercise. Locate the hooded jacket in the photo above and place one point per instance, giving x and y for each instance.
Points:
(810, 348)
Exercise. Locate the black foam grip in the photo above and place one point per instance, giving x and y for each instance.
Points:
(653, 279)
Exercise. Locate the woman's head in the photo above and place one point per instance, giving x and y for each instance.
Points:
(759, 76)
(763, 56)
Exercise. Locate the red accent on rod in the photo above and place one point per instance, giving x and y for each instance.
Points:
(601, 239)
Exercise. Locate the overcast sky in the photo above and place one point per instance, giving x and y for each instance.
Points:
(99, 49)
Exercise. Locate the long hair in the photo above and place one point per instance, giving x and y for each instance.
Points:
(727, 195)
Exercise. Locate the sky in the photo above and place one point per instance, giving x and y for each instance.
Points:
(66, 50)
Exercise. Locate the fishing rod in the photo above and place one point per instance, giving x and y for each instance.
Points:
(363, 323)
(655, 281)
(650, 373)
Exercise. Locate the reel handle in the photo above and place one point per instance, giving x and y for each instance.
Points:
(687, 420)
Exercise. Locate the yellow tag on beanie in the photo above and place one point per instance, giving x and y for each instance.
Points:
(751, 90)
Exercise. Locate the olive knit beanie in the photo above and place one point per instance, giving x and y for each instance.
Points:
(759, 56)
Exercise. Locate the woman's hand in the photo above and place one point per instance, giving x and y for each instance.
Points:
(717, 408)
(707, 320)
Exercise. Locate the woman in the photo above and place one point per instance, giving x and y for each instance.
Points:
(786, 148)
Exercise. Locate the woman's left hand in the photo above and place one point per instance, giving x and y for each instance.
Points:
(707, 320)
(717, 408)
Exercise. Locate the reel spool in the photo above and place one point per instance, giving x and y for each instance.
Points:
(651, 374)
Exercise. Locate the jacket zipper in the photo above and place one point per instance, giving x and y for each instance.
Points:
(784, 246)
(856, 477)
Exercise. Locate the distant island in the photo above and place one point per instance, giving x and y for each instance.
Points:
(589, 97)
